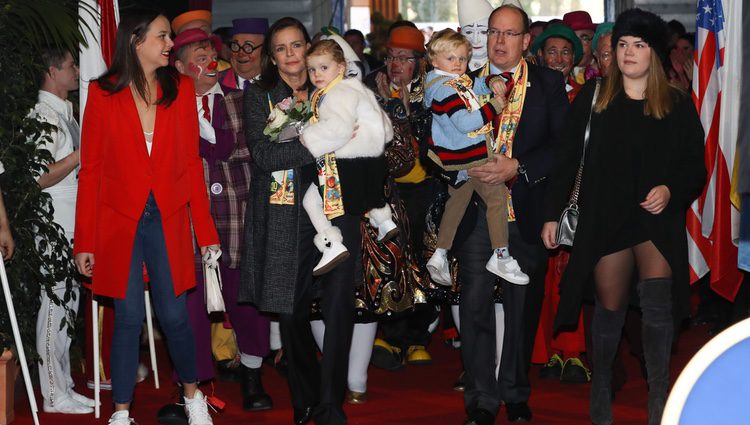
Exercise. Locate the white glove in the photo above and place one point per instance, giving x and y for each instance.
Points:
(206, 129)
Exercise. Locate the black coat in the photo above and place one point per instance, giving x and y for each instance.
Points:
(269, 257)
(537, 136)
(628, 154)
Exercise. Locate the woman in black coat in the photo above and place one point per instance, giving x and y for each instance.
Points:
(643, 167)
(279, 255)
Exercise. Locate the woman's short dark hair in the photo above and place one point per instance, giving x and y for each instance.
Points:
(269, 73)
(126, 68)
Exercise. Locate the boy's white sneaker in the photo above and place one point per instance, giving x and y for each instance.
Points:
(439, 270)
(196, 409)
(508, 269)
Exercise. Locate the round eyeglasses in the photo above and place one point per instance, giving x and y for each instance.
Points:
(401, 59)
(246, 47)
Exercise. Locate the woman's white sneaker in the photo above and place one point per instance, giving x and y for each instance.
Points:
(121, 417)
(196, 409)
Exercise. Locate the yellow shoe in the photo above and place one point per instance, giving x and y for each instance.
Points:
(385, 356)
(381, 343)
(417, 355)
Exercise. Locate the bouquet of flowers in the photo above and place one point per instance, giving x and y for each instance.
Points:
(287, 119)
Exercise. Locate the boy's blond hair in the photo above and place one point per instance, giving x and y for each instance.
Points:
(446, 40)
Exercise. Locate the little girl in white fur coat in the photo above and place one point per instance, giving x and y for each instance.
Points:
(347, 108)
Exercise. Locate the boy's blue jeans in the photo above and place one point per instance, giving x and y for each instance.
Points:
(149, 247)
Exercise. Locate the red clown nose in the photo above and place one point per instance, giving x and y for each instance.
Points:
(213, 65)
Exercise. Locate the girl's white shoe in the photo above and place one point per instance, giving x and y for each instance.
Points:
(330, 243)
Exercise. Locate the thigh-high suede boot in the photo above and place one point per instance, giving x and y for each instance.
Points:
(658, 332)
(606, 332)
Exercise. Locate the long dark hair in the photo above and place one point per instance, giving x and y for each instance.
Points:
(126, 67)
(269, 73)
(660, 93)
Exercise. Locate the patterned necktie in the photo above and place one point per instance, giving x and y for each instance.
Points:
(206, 110)
(245, 84)
(508, 77)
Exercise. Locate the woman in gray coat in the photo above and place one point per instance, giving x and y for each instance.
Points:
(279, 254)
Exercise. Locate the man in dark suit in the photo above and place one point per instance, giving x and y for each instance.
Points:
(529, 142)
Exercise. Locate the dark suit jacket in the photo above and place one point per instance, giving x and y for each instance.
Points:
(536, 140)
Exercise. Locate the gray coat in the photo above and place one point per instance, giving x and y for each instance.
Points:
(269, 257)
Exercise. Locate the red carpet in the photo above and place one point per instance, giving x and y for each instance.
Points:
(416, 395)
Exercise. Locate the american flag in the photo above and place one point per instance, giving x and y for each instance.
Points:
(712, 219)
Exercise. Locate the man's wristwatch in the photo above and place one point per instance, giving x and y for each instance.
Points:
(522, 171)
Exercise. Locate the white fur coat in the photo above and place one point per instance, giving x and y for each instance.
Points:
(349, 104)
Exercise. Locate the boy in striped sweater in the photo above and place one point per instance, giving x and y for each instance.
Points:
(461, 136)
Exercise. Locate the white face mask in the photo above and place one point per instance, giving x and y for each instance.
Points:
(477, 35)
(353, 70)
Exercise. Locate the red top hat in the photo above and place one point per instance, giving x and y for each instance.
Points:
(579, 20)
(189, 36)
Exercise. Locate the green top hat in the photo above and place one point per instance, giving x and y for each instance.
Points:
(560, 31)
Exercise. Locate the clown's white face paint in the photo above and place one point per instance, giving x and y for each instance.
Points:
(477, 34)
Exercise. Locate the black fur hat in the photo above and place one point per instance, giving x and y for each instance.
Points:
(646, 25)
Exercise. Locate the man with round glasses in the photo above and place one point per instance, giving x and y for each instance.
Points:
(247, 43)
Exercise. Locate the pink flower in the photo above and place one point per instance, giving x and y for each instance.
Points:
(285, 104)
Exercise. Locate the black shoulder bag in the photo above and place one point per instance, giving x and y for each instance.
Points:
(566, 226)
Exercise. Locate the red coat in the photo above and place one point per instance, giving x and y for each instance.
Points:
(117, 174)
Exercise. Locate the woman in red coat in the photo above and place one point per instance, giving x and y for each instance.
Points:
(141, 182)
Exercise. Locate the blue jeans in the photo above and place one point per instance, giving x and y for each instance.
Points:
(171, 311)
